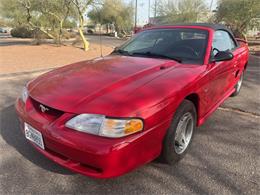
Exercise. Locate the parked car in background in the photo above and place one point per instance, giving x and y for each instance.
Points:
(3, 30)
(107, 116)
(257, 35)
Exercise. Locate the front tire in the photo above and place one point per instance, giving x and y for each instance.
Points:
(238, 85)
(179, 136)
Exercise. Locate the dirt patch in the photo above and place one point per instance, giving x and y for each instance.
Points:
(255, 50)
(23, 58)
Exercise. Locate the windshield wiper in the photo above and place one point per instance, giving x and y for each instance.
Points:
(120, 51)
(157, 55)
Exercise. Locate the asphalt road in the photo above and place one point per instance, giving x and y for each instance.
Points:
(105, 40)
(224, 157)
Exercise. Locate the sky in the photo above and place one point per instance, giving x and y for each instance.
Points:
(142, 9)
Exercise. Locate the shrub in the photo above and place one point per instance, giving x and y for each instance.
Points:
(22, 32)
(68, 35)
(90, 31)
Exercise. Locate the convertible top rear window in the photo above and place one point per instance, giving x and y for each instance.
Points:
(186, 44)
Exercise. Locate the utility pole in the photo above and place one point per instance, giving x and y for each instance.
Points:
(135, 14)
(155, 8)
(211, 3)
(149, 5)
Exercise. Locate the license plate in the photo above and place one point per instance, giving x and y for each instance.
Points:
(33, 135)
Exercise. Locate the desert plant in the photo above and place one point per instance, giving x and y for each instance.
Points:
(239, 15)
(22, 32)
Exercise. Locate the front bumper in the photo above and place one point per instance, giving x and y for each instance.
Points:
(89, 154)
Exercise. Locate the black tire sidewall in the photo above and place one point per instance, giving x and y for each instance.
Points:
(168, 154)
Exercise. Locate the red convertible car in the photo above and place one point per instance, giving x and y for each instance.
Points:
(107, 116)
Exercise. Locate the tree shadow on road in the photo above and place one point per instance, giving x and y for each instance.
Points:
(12, 134)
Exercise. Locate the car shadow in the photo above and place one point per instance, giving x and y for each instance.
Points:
(12, 134)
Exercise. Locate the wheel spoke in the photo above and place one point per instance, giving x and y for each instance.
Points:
(183, 133)
(183, 140)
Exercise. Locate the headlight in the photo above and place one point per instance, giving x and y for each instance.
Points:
(108, 127)
(24, 95)
(89, 123)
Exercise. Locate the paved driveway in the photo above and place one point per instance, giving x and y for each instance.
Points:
(224, 158)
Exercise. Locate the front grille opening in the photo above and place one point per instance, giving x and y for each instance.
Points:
(48, 112)
(95, 169)
(83, 166)
(57, 154)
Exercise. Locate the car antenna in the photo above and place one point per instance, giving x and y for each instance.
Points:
(100, 36)
(100, 42)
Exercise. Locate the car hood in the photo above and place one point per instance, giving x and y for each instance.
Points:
(98, 86)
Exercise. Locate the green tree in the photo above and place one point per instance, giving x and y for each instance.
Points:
(115, 12)
(97, 17)
(238, 14)
(58, 12)
(13, 11)
(181, 11)
(81, 7)
(36, 20)
(46, 16)
(4, 22)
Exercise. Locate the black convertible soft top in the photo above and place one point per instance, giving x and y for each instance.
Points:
(208, 25)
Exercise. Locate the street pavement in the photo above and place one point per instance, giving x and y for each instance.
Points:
(224, 156)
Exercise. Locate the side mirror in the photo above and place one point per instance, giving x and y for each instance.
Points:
(223, 56)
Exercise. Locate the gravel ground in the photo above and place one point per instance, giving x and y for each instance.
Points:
(224, 157)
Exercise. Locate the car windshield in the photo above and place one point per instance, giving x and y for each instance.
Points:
(184, 45)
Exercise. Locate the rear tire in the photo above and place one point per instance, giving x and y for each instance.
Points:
(179, 136)
(238, 85)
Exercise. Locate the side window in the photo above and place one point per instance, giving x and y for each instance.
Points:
(222, 41)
